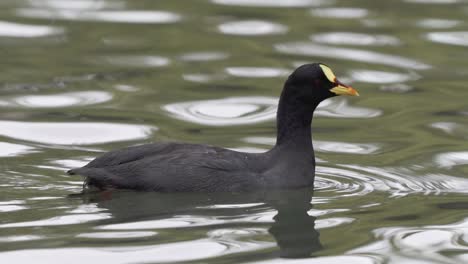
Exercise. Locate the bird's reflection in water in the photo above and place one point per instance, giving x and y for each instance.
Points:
(293, 228)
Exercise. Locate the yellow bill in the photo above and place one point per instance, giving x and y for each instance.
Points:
(341, 89)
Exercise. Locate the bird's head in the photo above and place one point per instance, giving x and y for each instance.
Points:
(317, 82)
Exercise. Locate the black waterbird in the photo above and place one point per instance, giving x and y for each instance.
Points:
(182, 167)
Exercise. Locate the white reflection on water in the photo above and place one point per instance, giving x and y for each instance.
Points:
(438, 23)
(452, 128)
(432, 1)
(257, 72)
(192, 221)
(359, 39)
(459, 38)
(59, 220)
(202, 78)
(76, 4)
(130, 16)
(429, 243)
(11, 208)
(16, 30)
(57, 100)
(340, 108)
(314, 50)
(228, 111)
(325, 146)
(371, 76)
(118, 235)
(73, 133)
(20, 238)
(204, 56)
(249, 110)
(168, 252)
(12, 150)
(451, 159)
(274, 3)
(348, 259)
(340, 12)
(137, 60)
(252, 28)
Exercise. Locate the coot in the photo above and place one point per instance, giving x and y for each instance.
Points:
(182, 167)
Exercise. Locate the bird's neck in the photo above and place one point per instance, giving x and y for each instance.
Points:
(294, 118)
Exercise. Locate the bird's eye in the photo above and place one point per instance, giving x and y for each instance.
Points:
(328, 73)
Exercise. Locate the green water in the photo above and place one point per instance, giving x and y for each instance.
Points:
(81, 77)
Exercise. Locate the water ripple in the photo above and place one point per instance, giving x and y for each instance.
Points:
(12, 150)
(324, 146)
(359, 39)
(9, 29)
(228, 111)
(314, 50)
(433, 1)
(340, 12)
(76, 4)
(403, 244)
(351, 180)
(438, 23)
(459, 38)
(57, 100)
(11, 208)
(381, 77)
(19, 238)
(252, 28)
(59, 220)
(169, 252)
(118, 235)
(137, 60)
(348, 259)
(451, 128)
(340, 108)
(451, 159)
(73, 133)
(249, 110)
(130, 16)
(273, 3)
(202, 78)
(204, 56)
(257, 72)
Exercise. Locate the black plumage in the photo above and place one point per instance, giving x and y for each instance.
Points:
(174, 167)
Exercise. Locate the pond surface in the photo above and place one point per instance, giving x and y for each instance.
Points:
(82, 77)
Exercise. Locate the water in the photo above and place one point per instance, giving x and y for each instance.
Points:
(82, 77)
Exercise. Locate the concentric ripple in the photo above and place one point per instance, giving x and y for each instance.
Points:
(351, 180)
(228, 111)
(249, 110)
(403, 244)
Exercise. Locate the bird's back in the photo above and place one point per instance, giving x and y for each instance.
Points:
(174, 167)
